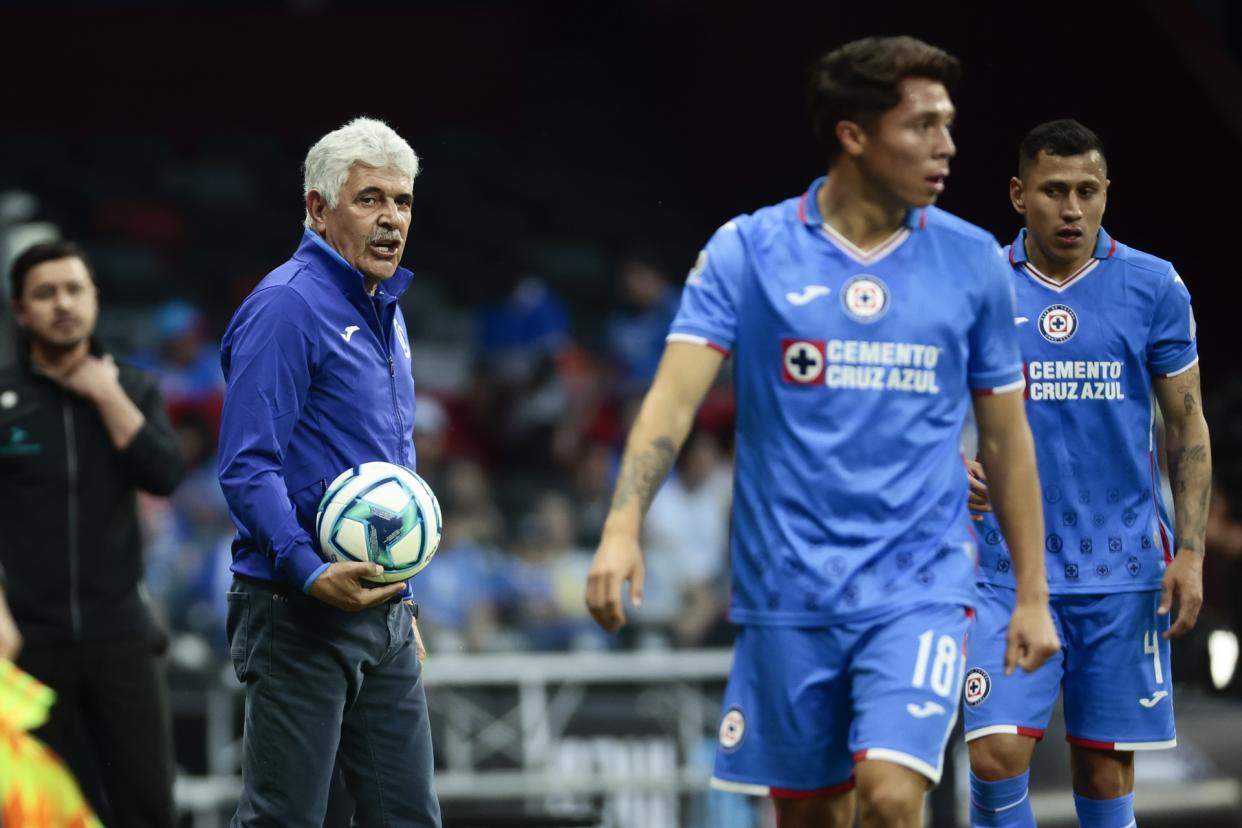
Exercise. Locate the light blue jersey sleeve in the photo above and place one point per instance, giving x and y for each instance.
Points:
(710, 300)
(995, 364)
(1171, 346)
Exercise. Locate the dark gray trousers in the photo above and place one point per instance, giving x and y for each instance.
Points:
(321, 685)
(112, 724)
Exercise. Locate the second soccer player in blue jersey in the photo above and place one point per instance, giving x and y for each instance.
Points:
(1100, 325)
(860, 319)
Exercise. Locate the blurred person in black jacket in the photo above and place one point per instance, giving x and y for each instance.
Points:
(79, 435)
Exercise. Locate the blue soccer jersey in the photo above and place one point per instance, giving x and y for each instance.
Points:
(1091, 346)
(851, 372)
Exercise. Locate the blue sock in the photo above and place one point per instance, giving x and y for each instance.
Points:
(1105, 813)
(1002, 804)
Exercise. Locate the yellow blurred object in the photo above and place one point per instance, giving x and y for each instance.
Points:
(36, 789)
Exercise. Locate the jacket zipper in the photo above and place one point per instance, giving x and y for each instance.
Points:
(71, 460)
(392, 377)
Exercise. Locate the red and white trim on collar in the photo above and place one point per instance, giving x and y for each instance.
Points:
(861, 256)
(1053, 284)
(809, 215)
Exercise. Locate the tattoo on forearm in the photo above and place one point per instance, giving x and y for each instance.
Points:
(642, 474)
(1188, 387)
(1195, 454)
(1189, 457)
(1190, 477)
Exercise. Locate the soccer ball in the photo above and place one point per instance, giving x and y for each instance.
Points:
(383, 513)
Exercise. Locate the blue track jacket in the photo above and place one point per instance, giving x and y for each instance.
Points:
(318, 380)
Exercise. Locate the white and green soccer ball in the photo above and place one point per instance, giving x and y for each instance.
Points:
(380, 513)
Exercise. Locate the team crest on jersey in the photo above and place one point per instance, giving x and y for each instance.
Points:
(977, 686)
(695, 276)
(802, 360)
(865, 298)
(1058, 323)
(732, 729)
(401, 338)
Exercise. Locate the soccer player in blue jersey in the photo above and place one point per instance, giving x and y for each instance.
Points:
(860, 318)
(1101, 325)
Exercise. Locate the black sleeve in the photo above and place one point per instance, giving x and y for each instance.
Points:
(152, 460)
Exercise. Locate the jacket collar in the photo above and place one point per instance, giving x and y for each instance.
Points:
(315, 251)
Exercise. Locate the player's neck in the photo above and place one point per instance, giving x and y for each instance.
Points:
(1058, 270)
(863, 217)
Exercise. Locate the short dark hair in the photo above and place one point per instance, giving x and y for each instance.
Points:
(40, 253)
(858, 82)
(1062, 137)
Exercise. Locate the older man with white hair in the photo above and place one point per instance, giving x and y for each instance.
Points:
(317, 363)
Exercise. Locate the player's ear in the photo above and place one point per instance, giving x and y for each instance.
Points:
(1017, 196)
(316, 205)
(851, 136)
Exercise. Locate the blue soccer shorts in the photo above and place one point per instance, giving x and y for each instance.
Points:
(1113, 666)
(803, 704)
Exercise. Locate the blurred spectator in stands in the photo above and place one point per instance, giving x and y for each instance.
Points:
(456, 594)
(591, 482)
(431, 424)
(466, 492)
(1222, 567)
(1223, 541)
(188, 540)
(519, 334)
(635, 335)
(535, 388)
(457, 607)
(686, 545)
(540, 589)
(187, 361)
(520, 397)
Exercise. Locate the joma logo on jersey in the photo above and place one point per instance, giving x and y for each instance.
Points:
(1058, 323)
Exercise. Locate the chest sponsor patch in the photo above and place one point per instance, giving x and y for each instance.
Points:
(802, 360)
(861, 365)
(1075, 379)
(1058, 323)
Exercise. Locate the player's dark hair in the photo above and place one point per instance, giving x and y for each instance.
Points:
(859, 82)
(39, 253)
(1063, 137)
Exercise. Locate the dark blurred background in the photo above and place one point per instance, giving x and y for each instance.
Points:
(575, 157)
